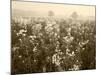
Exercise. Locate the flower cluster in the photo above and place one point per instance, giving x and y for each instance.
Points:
(44, 44)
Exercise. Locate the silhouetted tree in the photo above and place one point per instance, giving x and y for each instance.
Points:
(74, 15)
(51, 13)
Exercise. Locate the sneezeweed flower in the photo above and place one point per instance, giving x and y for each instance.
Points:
(23, 61)
(83, 49)
(57, 48)
(15, 48)
(68, 29)
(68, 39)
(75, 68)
(82, 43)
(49, 25)
(36, 28)
(71, 54)
(20, 40)
(24, 34)
(49, 28)
(67, 51)
(56, 59)
(20, 56)
(32, 37)
(55, 34)
(35, 60)
(34, 49)
(21, 31)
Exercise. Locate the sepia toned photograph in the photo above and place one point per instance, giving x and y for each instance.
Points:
(52, 37)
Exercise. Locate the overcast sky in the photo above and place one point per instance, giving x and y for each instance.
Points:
(41, 9)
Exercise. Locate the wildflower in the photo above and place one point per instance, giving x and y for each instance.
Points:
(75, 67)
(81, 44)
(56, 59)
(23, 61)
(68, 39)
(20, 56)
(67, 50)
(34, 60)
(34, 49)
(15, 48)
(24, 34)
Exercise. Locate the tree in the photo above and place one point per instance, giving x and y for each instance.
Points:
(74, 15)
(51, 13)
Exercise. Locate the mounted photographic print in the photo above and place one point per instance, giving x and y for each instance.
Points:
(52, 37)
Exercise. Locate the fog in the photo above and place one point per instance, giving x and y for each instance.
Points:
(20, 8)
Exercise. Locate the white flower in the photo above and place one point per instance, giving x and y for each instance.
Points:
(77, 60)
(69, 29)
(83, 49)
(34, 49)
(34, 60)
(24, 34)
(32, 37)
(20, 56)
(71, 38)
(49, 25)
(56, 59)
(23, 61)
(48, 28)
(83, 43)
(15, 48)
(25, 30)
(20, 40)
(21, 31)
(68, 39)
(55, 34)
(67, 50)
(72, 52)
(75, 67)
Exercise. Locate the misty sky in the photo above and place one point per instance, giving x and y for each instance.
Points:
(41, 9)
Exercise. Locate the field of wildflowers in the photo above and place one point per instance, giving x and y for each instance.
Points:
(52, 44)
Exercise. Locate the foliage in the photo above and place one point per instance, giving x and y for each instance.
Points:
(50, 46)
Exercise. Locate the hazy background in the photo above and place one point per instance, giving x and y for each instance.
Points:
(31, 9)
